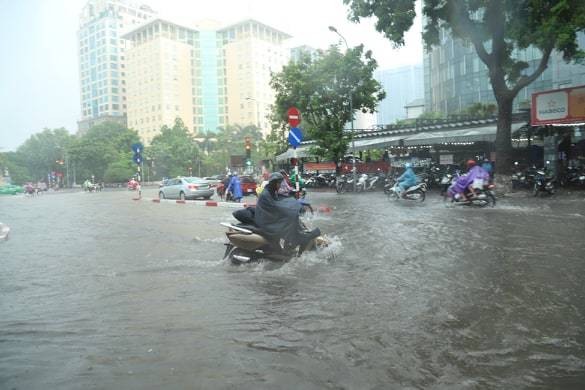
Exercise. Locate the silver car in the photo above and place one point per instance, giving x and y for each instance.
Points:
(185, 188)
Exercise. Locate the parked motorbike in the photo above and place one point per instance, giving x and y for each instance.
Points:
(416, 192)
(373, 182)
(344, 183)
(247, 243)
(543, 183)
(361, 183)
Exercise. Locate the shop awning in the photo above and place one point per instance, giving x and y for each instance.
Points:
(486, 133)
(376, 143)
(302, 151)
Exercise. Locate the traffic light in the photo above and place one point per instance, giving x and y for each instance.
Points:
(248, 146)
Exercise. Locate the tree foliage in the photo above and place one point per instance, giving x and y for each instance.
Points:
(497, 29)
(321, 88)
(174, 150)
(104, 144)
(41, 154)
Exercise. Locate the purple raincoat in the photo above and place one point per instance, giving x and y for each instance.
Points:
(466, 180)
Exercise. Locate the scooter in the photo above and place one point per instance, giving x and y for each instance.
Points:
(543, 183)
(483, 196)
(416, 192)
(361, 183)
(344, 183)
(247, 243)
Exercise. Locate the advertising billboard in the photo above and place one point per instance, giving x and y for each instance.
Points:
(560, 106)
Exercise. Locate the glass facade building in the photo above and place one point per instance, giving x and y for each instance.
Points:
(402, 86)
(455, 77)
(102, 65)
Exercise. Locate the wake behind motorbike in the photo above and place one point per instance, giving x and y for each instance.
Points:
(416, 192)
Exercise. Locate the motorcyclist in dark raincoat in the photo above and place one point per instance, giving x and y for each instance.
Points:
(278, 216)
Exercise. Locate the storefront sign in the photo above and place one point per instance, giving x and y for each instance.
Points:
(445, 159)
(324, 167)
(559, 106)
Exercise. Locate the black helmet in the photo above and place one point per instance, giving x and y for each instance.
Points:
(275, 176)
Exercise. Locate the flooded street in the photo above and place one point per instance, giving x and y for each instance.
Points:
(99, 291)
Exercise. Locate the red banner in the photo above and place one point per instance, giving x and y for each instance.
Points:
(324, 167)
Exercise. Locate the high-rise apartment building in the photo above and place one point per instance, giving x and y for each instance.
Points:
(102, 64)
(174, 72)
(456, 78)
(252, 51)
(402, 86)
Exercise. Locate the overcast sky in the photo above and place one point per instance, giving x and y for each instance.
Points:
(39, 81)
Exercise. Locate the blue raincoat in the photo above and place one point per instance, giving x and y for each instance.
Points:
(235, 188)
(407, 179)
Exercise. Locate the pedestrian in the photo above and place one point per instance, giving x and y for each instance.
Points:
(235, 188)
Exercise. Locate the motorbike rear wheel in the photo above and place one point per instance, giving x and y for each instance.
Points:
(422, 196)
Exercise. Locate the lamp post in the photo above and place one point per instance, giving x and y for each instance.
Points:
(353, 169)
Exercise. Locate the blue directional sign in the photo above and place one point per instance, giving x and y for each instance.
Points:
(137, 158)
(137, 147)
(295, 136)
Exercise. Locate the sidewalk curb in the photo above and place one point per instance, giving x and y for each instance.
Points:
(205, 203)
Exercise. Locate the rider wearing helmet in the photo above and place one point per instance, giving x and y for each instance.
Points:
(407, 179)
(474, 177)
(278, 217)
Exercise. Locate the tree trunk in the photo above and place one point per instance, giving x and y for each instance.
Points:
(504, 152)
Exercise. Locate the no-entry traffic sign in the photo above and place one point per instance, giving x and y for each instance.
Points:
(293, 116)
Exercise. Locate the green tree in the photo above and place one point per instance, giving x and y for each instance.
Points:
(102, 145)
(480, 110)
(174, 151)
(321, 88)
(42, 153)
(121, 170)
(496, 29)
(16, 166)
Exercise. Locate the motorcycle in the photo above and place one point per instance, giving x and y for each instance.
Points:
(344, 183)
(373, 182)
(483, 196)
(361, 183)
(416, 192)
(543, 183)
(247, 243)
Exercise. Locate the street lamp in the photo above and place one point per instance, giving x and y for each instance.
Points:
(333, 29)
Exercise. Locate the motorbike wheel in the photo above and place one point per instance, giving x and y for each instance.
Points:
(340, 188)
(535, 189)
(422, 196)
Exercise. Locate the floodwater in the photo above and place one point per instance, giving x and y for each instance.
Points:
(99, 291)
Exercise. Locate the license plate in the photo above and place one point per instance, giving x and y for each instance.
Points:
(250, 190)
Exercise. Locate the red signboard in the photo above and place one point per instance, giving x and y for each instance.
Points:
(293, 116)
(321, 167)
(371, 167)
(559, 106)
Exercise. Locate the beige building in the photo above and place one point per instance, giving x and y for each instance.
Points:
(252, 51)
(175, 72)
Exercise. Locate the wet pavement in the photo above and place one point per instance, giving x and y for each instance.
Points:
(99, 291)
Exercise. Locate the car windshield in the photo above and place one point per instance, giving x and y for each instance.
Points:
(194, 180)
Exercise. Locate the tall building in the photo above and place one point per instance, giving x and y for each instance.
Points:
(456, 78)
(402, 86)
(252, 51)
(174, 72)
(102, 64)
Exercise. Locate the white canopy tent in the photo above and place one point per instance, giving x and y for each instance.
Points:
(302, 151)
(376, 143)
(486, 133)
